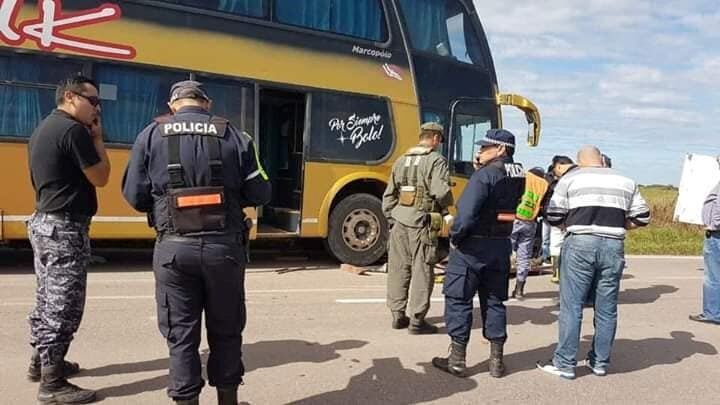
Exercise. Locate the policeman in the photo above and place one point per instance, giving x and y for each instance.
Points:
(416, 199)
(193, 173)
(480, 252)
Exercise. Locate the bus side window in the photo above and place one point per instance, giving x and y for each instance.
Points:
(27, 90)
(138, 95)
(356, 18)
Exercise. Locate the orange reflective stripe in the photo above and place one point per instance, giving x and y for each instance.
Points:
(198, 200)
(503, 217)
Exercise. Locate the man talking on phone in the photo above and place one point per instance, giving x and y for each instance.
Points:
(67, 160)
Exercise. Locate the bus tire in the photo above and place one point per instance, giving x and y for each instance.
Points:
(358, 231)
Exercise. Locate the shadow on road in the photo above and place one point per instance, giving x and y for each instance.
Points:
(255, 356)
(645, 295)
(548, 314)
(388, 382)
(629, 355)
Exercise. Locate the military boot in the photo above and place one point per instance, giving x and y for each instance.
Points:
(455, 362)
(33, 374)
(191, 401)
(497, 368)
(400, 320)
(519, 291)
(227, 396)
(54, 389)
(422, 328)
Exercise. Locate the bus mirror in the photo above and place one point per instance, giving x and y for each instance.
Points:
(532, 115)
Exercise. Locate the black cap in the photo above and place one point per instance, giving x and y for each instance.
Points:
(187, 89)
(497, 137)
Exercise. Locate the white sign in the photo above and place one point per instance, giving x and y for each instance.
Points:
(700, 174)
(358, 130)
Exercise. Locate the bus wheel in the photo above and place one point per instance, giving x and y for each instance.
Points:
(358, 231)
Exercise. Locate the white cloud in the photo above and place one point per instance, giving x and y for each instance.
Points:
(660, 115)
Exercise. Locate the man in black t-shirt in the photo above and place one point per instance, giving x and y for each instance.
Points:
(67, 161)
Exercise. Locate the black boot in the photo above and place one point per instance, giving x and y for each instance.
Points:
(497, 368)
(455, 362)
(33, 374)
(400, 320)
(421, 328)
(54, 389)
(519, 291)
(191, 401)
(227, 396)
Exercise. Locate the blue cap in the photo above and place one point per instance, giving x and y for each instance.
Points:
(188, 89)
(497, 137)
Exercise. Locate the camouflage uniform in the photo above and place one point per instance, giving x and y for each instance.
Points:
(412, 246)
(62, 252)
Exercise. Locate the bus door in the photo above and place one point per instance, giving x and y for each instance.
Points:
(281, 125)
(470, 119)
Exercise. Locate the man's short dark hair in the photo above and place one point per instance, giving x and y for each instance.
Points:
(510, 151)
(561, 160)
(72, 84)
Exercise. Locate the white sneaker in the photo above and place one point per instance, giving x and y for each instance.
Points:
(600, 372)
(550, 368)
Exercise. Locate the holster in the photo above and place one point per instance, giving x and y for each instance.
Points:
(435, 224)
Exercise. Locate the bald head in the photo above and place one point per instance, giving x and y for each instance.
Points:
(589, 156)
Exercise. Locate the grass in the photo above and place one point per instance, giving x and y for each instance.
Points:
(663, 236)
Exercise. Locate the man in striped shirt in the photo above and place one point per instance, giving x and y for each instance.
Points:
(596, 205)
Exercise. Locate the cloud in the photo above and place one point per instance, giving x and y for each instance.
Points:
(705, 24)
(662, 115)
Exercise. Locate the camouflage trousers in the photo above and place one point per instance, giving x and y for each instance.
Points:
(61, 250)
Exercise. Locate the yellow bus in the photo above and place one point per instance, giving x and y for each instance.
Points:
(333, 91)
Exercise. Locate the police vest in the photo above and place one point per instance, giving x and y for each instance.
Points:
(498, 213)
(413, 190)
(195, 209)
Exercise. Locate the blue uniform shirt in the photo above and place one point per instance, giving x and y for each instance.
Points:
(146, 176)
(492, 189)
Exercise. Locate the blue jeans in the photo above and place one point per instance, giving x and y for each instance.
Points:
(545, 240)
(711, 283)
(589, 264)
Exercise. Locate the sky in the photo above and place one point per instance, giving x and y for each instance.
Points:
(639, 79)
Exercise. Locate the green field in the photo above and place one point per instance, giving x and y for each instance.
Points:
(663, 236)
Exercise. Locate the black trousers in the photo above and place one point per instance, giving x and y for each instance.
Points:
(193, 275)
(482, 267)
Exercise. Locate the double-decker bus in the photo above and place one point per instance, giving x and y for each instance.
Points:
(333, 91)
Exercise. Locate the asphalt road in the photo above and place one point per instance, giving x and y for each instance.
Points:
(317, 335)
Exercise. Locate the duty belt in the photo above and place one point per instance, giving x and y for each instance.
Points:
(229, 238)
(65, 217)
(712, 234)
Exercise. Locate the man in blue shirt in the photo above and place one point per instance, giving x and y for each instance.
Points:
(711, 253)
(193, 173)
(479, 260)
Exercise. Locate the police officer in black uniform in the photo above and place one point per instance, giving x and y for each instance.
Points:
(480, 256)
(193, 173)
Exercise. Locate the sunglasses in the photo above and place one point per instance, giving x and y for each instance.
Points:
(93, 100)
